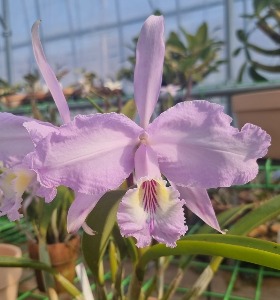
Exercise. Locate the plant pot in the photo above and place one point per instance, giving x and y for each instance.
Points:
(9, 277)
(63, 258)
(262, 109)
(13, 101)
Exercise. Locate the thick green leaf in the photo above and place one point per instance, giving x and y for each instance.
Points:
(102, 220)
(129, 109)
(265, 212)
(260, 215)
(260, 5)
(22, 262)
(174, 41)
(231, 246)
(202, 33)
(256, 76)
(274, 52)
(241, 35)
(272, 69)
(226, 218)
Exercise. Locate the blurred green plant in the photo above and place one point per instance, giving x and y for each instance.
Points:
(49, 220)
(187, 61)
(190, 59)
(266, 19)
(8, 89)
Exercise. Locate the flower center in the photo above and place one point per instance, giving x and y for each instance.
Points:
(150, 200)
(143, 137)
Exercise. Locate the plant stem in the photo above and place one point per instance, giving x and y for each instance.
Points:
(134, 290)
(189, 89)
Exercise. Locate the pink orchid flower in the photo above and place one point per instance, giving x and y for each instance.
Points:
(192, 144)
(15, 143)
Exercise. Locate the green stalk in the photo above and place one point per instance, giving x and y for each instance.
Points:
(12, 262)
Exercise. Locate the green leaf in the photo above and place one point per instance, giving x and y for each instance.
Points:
(274, 52)
(241, 72)
(202, 33)
(256, 76)
(102, 220)
(95, 105)
(231, 246)
(189, 38)
(272, 69)
(226, 218)
(241, 35)
(129, 109)
(237, 51)
(22, 262)
(265, 212)
(260, 5)
(49, 208)
(114, 261)
(175, 42)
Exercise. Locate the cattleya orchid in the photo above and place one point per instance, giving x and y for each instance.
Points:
(15, 176)
(191, 144)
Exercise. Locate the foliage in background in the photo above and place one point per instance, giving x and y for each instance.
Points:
(190, 59)
(49, 220)
(266, 19)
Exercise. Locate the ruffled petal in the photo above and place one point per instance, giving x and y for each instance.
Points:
(15, 142)
(196, 146)
(148, 69)
(13, 183)
(47, 193)
(49, 75)
(146, 163)
(152, 210)
(198, 201)
(79, 210)
(38, 130)
(91, 154)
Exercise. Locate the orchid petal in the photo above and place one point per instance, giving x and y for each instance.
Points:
(15, 142)
(148, 69)
(91, 154)
(79, 210)
(38, 130)
(49, 75)
(146, 163)
(47, 193)
(198, 201)
(13, 183)
(196, 146)
(163, 220)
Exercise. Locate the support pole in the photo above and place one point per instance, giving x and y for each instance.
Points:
(5, 21)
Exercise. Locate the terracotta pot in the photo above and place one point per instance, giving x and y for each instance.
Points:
(9, 277)
(262, 109)
(13, 101)
(63, 258)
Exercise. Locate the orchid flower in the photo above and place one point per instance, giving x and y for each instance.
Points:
(16, 177)
(113, 85)
(170, 89)
(191, 144)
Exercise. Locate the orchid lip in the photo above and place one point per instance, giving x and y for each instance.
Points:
(150, 201)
